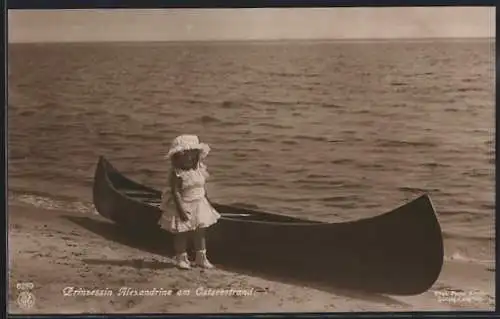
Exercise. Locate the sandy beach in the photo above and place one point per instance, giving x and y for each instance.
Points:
(76, 267)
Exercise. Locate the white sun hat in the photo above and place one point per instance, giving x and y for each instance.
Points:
(188, 142)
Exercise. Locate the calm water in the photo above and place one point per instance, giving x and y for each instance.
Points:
(331, 130)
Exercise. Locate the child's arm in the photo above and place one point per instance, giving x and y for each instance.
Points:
(176, 185)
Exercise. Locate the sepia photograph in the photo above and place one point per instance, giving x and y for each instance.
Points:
(251, 160)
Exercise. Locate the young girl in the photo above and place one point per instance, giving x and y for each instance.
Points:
(187, 211)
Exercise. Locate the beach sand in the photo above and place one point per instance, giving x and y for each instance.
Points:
(51, 250)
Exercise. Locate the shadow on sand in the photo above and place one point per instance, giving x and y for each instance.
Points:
(155, 242)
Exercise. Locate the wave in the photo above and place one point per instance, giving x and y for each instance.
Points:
(313, 176)
(51, 203)
(274, 125)
(331, 106)
(457, 256)
(213, 120)
(399, 105)
(417, 190)
(396, 143)
(239, 155)
(364, 111)
(291, 75)
(399, 83)
(228, 104)
(344, 198)
(343, 161)
(311, 138)
(27, 113)
(477, 237)
(296, 170)
(377, 166)
(262, 140)
(246, 184)
(466, 214)
(209, 119)
(289, 142)
(471, 89)
(275, 103)
(435, 165)
(477, 173)
(490, 206)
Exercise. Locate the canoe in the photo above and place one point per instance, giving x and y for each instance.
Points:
(396, 253)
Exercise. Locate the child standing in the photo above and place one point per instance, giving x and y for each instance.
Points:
(187, 211)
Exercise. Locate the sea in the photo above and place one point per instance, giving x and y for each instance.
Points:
(327, 130)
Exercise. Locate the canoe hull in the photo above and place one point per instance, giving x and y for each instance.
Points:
(400, 252)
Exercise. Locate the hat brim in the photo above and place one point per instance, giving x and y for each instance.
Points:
(204, 148)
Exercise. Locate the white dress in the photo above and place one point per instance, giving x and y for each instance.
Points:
(193, 200)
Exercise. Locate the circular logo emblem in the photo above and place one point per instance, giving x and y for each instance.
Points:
(26, 300)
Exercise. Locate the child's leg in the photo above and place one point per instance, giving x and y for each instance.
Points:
(199, 239)
(201, 248)
(180, 246)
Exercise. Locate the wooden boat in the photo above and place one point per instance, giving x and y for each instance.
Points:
(398, 253)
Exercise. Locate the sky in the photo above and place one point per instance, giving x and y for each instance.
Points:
(249, 24)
